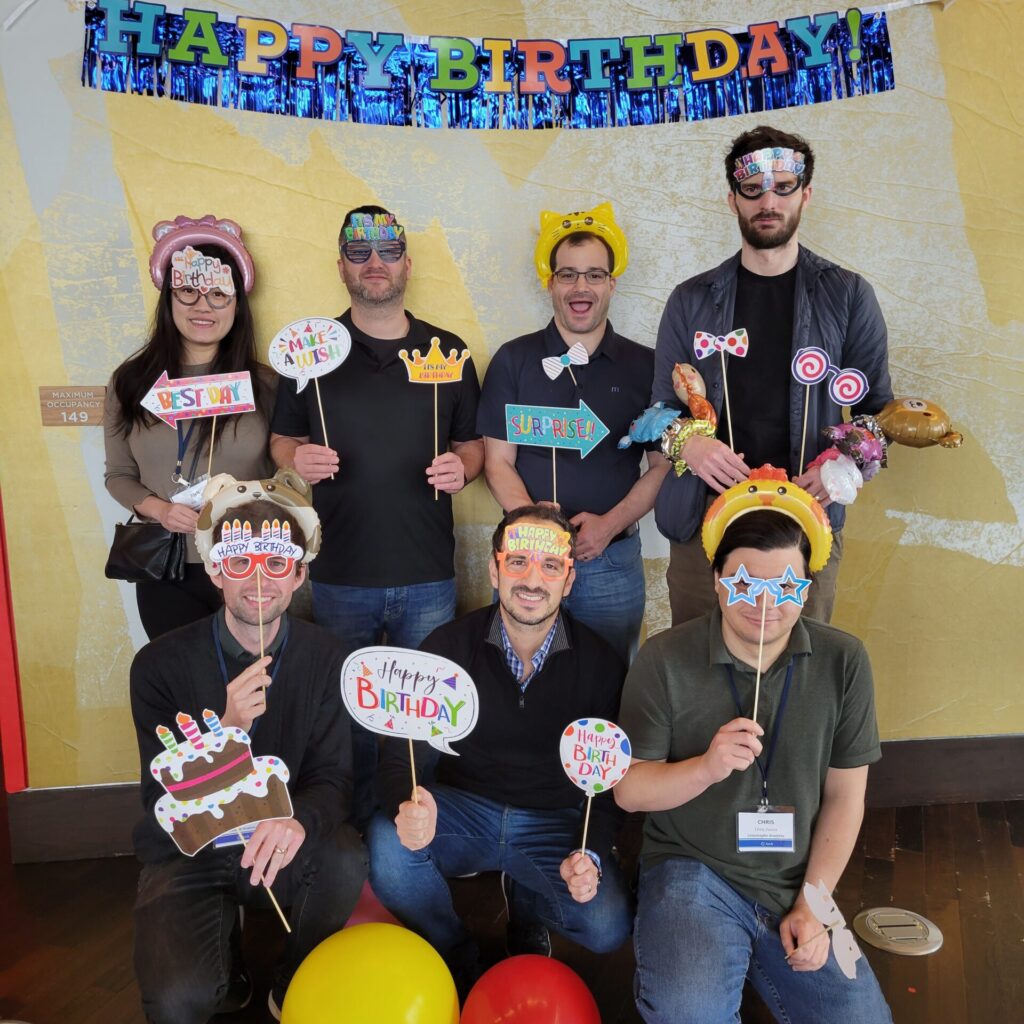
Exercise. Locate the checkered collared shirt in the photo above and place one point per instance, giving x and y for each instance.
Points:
(556, 640)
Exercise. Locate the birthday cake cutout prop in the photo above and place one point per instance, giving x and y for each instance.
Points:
(214, 784)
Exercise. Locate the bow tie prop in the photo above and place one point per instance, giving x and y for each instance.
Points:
(844, 946)
(577, 355)
(735, 343)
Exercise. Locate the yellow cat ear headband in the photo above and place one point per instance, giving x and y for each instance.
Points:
(599, 221)
(769, 488)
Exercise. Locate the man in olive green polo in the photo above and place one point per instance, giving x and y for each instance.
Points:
(746, 805)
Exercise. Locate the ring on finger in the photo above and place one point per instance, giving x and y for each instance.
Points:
(280, 849)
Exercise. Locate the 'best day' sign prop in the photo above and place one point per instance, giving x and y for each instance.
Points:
(217, 394)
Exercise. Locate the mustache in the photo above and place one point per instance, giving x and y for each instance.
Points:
(532, 591)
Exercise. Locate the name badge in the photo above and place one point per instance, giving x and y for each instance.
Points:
(766, 830)
(190, 494)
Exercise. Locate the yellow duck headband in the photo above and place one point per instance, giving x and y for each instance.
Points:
(769, 488)
(599, 221)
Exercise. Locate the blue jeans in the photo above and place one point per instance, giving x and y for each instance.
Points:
(364, 617)
(186, 908)
(609, 595)
(696, 941)
(476, 834)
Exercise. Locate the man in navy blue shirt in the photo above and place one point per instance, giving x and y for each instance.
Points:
(578, 358)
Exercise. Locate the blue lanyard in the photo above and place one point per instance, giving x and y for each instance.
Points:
(765, 768)
(224, 668)
(183, 440)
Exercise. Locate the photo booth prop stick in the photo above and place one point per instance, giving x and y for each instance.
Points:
(743, 588)
(187, 398)
(847, 387)
(735, 343)
(434, 368)
(394, 691)
(239, 554)
(595, 754)
(548, 426)
(215, 786)
(844, 945)
(576, 355)
(305, 350)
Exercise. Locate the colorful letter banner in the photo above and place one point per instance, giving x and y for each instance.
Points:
(549, 426)
(386, 78)
(218, 394)
(398, 692)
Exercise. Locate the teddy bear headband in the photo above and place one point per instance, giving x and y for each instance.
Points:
(599, 221)
(178, 248)
(223, 493)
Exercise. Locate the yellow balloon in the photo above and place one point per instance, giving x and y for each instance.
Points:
(372, 973)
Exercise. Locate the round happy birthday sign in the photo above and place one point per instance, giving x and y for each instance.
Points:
(595, 754)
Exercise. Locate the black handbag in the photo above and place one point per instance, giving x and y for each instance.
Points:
(145, 551)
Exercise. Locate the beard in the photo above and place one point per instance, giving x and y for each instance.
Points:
(531, 618)
(370, 294)
(773, 232)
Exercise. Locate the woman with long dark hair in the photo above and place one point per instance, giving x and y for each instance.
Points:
(203, 325)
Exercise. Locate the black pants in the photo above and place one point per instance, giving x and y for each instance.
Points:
(186, 909)
(169, 604)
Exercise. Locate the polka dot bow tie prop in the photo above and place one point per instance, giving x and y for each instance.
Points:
(735, 343)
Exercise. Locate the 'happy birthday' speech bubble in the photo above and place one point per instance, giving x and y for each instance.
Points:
(309, 348)
(595, 754)
(398, 692)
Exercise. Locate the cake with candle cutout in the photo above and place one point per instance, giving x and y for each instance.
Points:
(214, 784)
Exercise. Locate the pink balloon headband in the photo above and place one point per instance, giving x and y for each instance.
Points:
(174, 235)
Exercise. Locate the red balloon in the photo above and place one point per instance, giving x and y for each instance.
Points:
(530, 990)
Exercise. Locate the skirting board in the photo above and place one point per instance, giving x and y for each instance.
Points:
(96, 821)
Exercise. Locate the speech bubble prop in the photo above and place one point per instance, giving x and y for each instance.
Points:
(187, 398)
(214, 785)
(310, 348)
(595, 754)
(395, 691)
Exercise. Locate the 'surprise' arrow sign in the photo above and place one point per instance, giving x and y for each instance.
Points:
(552, 427)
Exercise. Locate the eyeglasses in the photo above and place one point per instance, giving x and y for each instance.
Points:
(389, 250)
(749, 190)
(241, 567)
(567, 276)
(516, 564)
(216, 298)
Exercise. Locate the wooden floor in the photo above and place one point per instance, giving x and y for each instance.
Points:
(65, 940)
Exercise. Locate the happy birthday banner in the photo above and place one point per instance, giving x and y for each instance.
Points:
(385, 78)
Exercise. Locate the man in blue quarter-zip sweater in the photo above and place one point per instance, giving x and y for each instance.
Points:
(505, 803)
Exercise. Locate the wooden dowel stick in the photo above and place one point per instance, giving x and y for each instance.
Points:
(725, 390)
(760, 652)
(554, 478)
(816, 935)
(259, 607)
(803, 435)
(209, 460)
(412, 768)
(320, 406)
(270, 892)
(435, 435)
(586, 823)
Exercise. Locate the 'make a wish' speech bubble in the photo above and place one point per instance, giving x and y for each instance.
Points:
(309, 348)
(398, 692)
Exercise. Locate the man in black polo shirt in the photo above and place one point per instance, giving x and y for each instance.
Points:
(579, 258)
(505, 804)
(786, 298)
(387, 565)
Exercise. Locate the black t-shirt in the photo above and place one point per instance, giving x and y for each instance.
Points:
(759, 382)
(615, 384)
(381, 524)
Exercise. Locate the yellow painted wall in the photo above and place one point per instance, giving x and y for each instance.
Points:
(917, 189)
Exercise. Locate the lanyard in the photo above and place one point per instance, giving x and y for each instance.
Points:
(183, 440)
(224, 668)
(766, 767)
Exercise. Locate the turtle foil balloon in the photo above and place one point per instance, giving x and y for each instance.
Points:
(917, 423)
